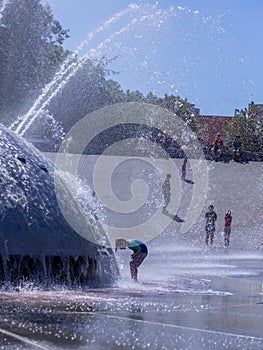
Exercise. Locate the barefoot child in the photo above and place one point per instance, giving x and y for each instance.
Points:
(184, 169)
(227, 229)
(211, 217)
(166, 190)
(140, 252)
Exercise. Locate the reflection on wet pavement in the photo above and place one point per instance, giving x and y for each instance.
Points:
(201, 311)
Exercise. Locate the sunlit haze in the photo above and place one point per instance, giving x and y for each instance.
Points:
(206, 51)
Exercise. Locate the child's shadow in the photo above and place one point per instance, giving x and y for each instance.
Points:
(172, 216)
(189, 181)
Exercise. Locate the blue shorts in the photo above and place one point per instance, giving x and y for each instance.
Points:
(136, 262)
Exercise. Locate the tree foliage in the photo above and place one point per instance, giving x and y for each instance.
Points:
(30, 52)
(84, 92)
(248, 124)
(91, 88)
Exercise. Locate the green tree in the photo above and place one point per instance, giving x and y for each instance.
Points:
(30, 52)
(249, 126)
(181, 107)
(86, 91)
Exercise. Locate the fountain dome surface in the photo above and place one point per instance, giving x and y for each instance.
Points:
(37, 243)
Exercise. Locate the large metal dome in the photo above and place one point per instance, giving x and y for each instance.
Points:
(36, 242)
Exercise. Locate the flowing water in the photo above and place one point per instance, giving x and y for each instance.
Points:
(187, 297)
(2, 8)
(68, 70)
(125, 35)
(38, 246)
(217, 306)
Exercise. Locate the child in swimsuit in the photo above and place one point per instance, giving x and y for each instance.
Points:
(140, 251)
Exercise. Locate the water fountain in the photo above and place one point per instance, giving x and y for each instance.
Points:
(39, 247)
(151, 15)
(37, 244)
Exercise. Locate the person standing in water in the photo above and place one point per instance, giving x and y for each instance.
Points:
(227, 229)
(184, 168)
(140, 251)
(166, 191)
(211, 218)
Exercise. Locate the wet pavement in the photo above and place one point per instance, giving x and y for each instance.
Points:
(219, 305)
(129, 190)
(188, 297)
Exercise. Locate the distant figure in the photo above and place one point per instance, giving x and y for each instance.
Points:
(166, 138)
(166, 191)
(237, 149)
(184, 168)
(218, 146)
(211, 218)
(227, 229)
(142, 143)
(140, 251)
(237, 142)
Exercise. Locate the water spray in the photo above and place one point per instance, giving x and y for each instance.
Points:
(65, 68)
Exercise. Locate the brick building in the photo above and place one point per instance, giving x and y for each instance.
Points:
(209, 125)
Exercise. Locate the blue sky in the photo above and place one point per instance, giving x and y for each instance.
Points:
(208, 51)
